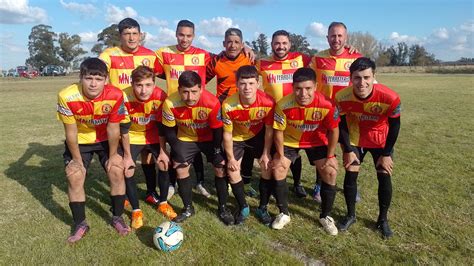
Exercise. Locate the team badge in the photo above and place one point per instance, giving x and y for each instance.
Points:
(376, 109)
(106, 108)
(261, 114)
(202, 115)
(294, 64)
(317, 115)
(195, 60)
(154, 107)
(347, 65)
(146, 62)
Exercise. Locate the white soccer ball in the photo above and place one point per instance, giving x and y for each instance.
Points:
(168, 236)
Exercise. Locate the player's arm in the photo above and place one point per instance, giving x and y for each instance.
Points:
(113, 135)
(129, 165)
(217, 135)
(232, 164)
(333, 137)
(349, 157)
(268, 141)
(163, 159)
(385, 161)
(72, 143)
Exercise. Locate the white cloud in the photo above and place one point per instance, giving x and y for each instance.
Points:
(165, 37)
(88, 37)
(468, 26)
(247, 2)
(396, 37)
(441, 33)
(152, 21)
(20, 12)
(216, 27)
(115, 14)
(86, 10)
(204, 43)
(316, 29)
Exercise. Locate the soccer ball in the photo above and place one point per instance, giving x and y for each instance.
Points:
(168, 236)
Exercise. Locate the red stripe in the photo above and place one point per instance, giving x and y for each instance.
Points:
(122, 62)
(173, 59)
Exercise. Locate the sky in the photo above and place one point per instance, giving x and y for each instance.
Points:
(443, 27)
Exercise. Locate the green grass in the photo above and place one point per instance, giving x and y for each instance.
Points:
(431, 212)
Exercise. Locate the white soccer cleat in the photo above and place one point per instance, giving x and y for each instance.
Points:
(280, 221)
(203, 191)
(171, 192)
(329, 225)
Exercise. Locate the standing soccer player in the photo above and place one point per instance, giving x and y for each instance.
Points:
(306, 120)
(192, 124)
(121, 61)
(332, 70)
(91, 112)
(141, 133)
(370, 122)
(277, 74)
(248, 121)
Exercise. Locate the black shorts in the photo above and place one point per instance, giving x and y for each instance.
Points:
(313, 153)
(135, 150)
(254, 146)
(87, 152)
(376, 153)
(183, 152)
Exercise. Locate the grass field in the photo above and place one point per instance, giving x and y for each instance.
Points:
(431, 214)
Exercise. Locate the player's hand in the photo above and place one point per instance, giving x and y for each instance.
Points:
(249, 53)
(163, 161)
(385, 163)
(233, 165)
(114, 160)
(265, 161)
(351, 48)
(330, 162)
(277, 162)
(219, 159)
(349, 158)
(129, 166)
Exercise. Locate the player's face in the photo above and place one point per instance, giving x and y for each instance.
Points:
(184, 36)
(337, 37)
(143, 89)
(304, 92)
(92, 85)
(363, 82)
(130, 39)
(233, 46)
(247, 89)
(281, 46)
(190, 96)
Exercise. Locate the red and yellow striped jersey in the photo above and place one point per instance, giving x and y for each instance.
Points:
(367, 120)
(194, 122)
(247, 121)
(305, 126)
(277, 75)
(91, 116)
(144, 116)
(332, 71)
(225, 68)
(121, 64)
(172, 62)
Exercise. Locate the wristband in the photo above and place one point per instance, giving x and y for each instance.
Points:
(332, 156)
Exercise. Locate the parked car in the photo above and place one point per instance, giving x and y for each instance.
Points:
(27, 72)
(12, 73)
(53, 70)
(3, 73)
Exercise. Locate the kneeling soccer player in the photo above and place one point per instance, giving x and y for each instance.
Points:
(370, 122)
(306, 120)
(91, 112)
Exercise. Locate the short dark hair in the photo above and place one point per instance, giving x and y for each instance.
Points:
(246, 72)
(233, 32)
(304, 74)
(142, 72)
(185, 23)
(335, 23)
(93, 66)
(128, 23)
(280, 33)
(189, 79)
(361, 64)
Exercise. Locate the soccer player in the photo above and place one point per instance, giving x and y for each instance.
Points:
(248, 120)
(306, 120)
(91, 112)
(121, 61)
(140, 132)
(370, 122)
(332, 70)
(224, 67)
(192, 124)
(277, 75)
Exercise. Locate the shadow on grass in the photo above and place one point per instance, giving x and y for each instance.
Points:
(42, 178)
(145, 235)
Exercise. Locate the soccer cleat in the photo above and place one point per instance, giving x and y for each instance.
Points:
(250, 191)
(187, 212)
(242, 215)
(225, 215)
(384, 228)
(358, 198)
(171, 191)
(167, 210)
(126, 204)
(299, 191)
(152, 198)
(263, 215)
(137, 219)
(79, 232)
(317, 193)
(328, 225)
(346, 222)
(202, 190)
(280, 221)
(120, 226)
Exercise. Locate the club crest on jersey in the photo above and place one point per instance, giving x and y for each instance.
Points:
(317, 115)
(195, 60)
(154, 107)
(146, 62)
(347, 65)
(202, 115)
(294, 64)
(376, 109)
(261, 114)
(106, 108)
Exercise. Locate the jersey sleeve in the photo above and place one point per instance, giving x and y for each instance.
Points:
(119, 111)
(215, 116)
(331, 120)
(228, 126)
(270, 117)
(64, 114)
(104, 56)
(395, 109)
(159, 62)
(168, 118)
(210, 69)
(306, 60)
(159, 110)
(279, 118)
(126, 119)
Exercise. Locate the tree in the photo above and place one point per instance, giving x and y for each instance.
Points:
(418, 56)
(69, 48)
(383, 58)
(365, 43)
(398, 54)
(299, 44)
(108, 37)
(41, 47)
(262, 44)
